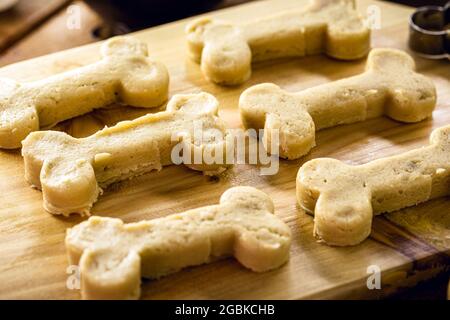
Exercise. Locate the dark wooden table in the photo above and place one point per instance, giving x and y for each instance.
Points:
(38, 27)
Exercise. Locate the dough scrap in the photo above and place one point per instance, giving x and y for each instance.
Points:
(389, 86)
(226, 50)
(124, 74)
(113, 256)
(72, 172)
(344, 198)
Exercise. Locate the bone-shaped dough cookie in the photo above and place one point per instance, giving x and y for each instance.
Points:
(125, 74)
(113, 256)
(389, 86)
(71, 172)
(344, 197)
(226, 51)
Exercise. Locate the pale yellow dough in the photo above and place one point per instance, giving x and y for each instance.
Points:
(344, 198)
(125, 75)
(226, 50)
(71, 172)
(113, 256)
(389, 86)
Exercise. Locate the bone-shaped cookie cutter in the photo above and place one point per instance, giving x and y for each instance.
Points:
(389, 86)
(113, 256)
(125, 74)
(71, 172)
(344, 198)
(226, 51)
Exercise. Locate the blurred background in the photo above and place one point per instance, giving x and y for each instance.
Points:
(30, 28)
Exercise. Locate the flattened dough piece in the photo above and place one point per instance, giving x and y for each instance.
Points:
(113, 256)
(225, 50)
(344, 198)
(124, 74)
(71, 172)
(389, 86)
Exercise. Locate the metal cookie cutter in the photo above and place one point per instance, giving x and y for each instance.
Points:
(429, 31)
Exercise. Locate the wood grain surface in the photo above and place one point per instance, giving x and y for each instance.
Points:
(409, 246)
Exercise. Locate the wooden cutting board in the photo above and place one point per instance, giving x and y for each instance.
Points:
(409, 246)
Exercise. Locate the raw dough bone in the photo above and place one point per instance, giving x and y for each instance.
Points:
(124, 74)
(70, 171)
(344, 198)
(389, 86)
(226, 51)
(113, 256)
